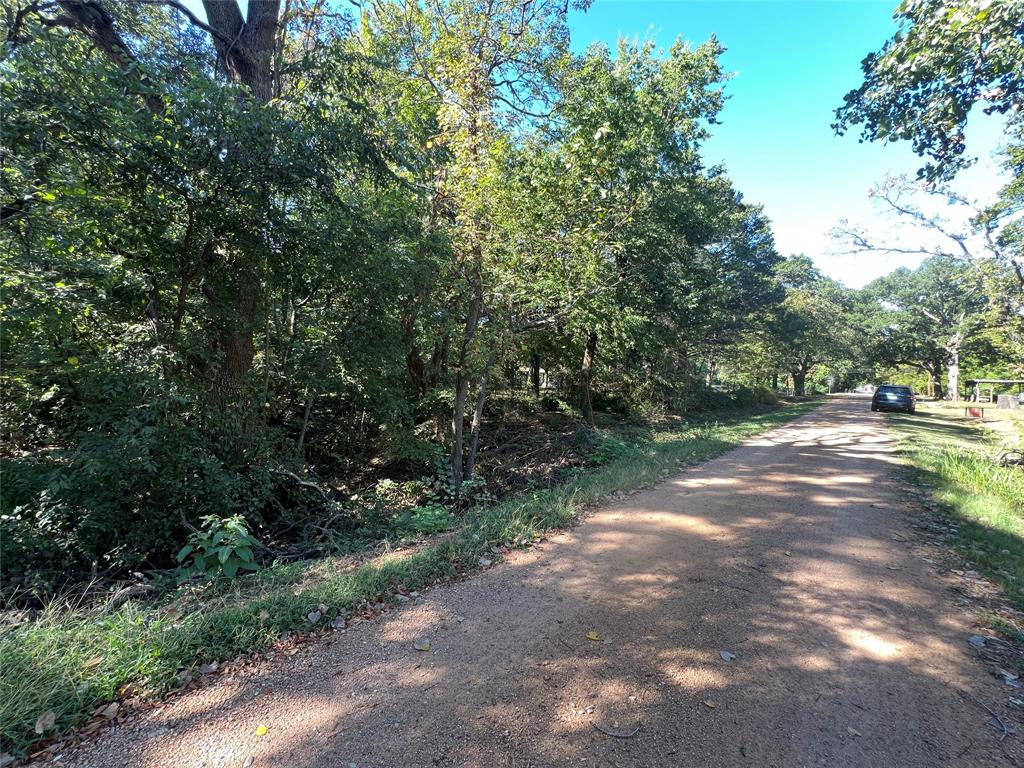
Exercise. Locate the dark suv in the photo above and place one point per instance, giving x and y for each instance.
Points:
(890, 397)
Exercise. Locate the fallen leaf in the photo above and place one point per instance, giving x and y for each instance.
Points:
(422, 645)
(208, 669)
(787, 553)
(853, 731)
(264, 615)
(6, 759)
(710, 704)
(248, 762)
(109, 711)
(894, 567)
(727, 655)
(261, 730)
(92, 662)
(485, 562)
(976, 640)
(592, 635)
(46, 721)
(313, 616)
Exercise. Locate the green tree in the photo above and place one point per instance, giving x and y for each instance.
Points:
(927, 317)
(947, 57)
(811, 325)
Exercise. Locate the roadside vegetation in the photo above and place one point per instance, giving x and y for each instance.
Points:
(956, 459)
(61, 667)
(292, 279)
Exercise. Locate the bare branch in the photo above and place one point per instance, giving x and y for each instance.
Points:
(192, 18)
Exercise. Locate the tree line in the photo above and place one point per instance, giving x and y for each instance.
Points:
(254, 263)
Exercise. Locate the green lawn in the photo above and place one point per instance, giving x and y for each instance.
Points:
(955, 458)
(68, 662)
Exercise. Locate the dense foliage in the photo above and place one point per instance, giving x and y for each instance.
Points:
(275, 274)
(283, 283)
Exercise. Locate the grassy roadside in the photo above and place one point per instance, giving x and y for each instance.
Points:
(67, 663)
(955, 458)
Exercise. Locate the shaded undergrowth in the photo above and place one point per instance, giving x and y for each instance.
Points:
(67, 661)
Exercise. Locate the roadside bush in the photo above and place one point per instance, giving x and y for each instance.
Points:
(700, 399)
(610, 448)
(758, 395)
(143, 456)
(424, 520)
(223, 547)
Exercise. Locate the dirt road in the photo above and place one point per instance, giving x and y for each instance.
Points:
(788, 553)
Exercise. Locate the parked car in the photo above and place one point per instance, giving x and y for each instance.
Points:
(890, 397)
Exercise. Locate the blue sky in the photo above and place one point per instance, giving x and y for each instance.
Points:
(793, 60)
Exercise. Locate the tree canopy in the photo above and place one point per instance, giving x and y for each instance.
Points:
(285, 277)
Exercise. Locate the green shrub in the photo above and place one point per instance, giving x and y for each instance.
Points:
(610, 448)
(223, 547)
(757, 395)
(143, 453)
(423, 520)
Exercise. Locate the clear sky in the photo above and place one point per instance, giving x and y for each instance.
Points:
(793, 61)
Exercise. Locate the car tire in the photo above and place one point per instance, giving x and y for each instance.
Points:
(874, 408)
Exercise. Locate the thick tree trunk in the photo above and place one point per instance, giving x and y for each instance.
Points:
(535, 373)
(245, 49)
(587, 376)
(799, 382)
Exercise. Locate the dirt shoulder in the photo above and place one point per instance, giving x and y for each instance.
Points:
(790, 555)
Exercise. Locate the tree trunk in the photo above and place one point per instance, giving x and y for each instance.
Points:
(245, 49)
(535, 373)
(235, 327)
(953, 371)
(478, 414)
(587, 375)
(799, 379)
(935, 371)
(462, 381)
(775, 381)
(709, 377)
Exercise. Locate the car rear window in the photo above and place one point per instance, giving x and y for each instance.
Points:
(898, 390)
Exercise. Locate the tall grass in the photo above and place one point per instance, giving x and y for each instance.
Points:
(956, 459)
(70, 661)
